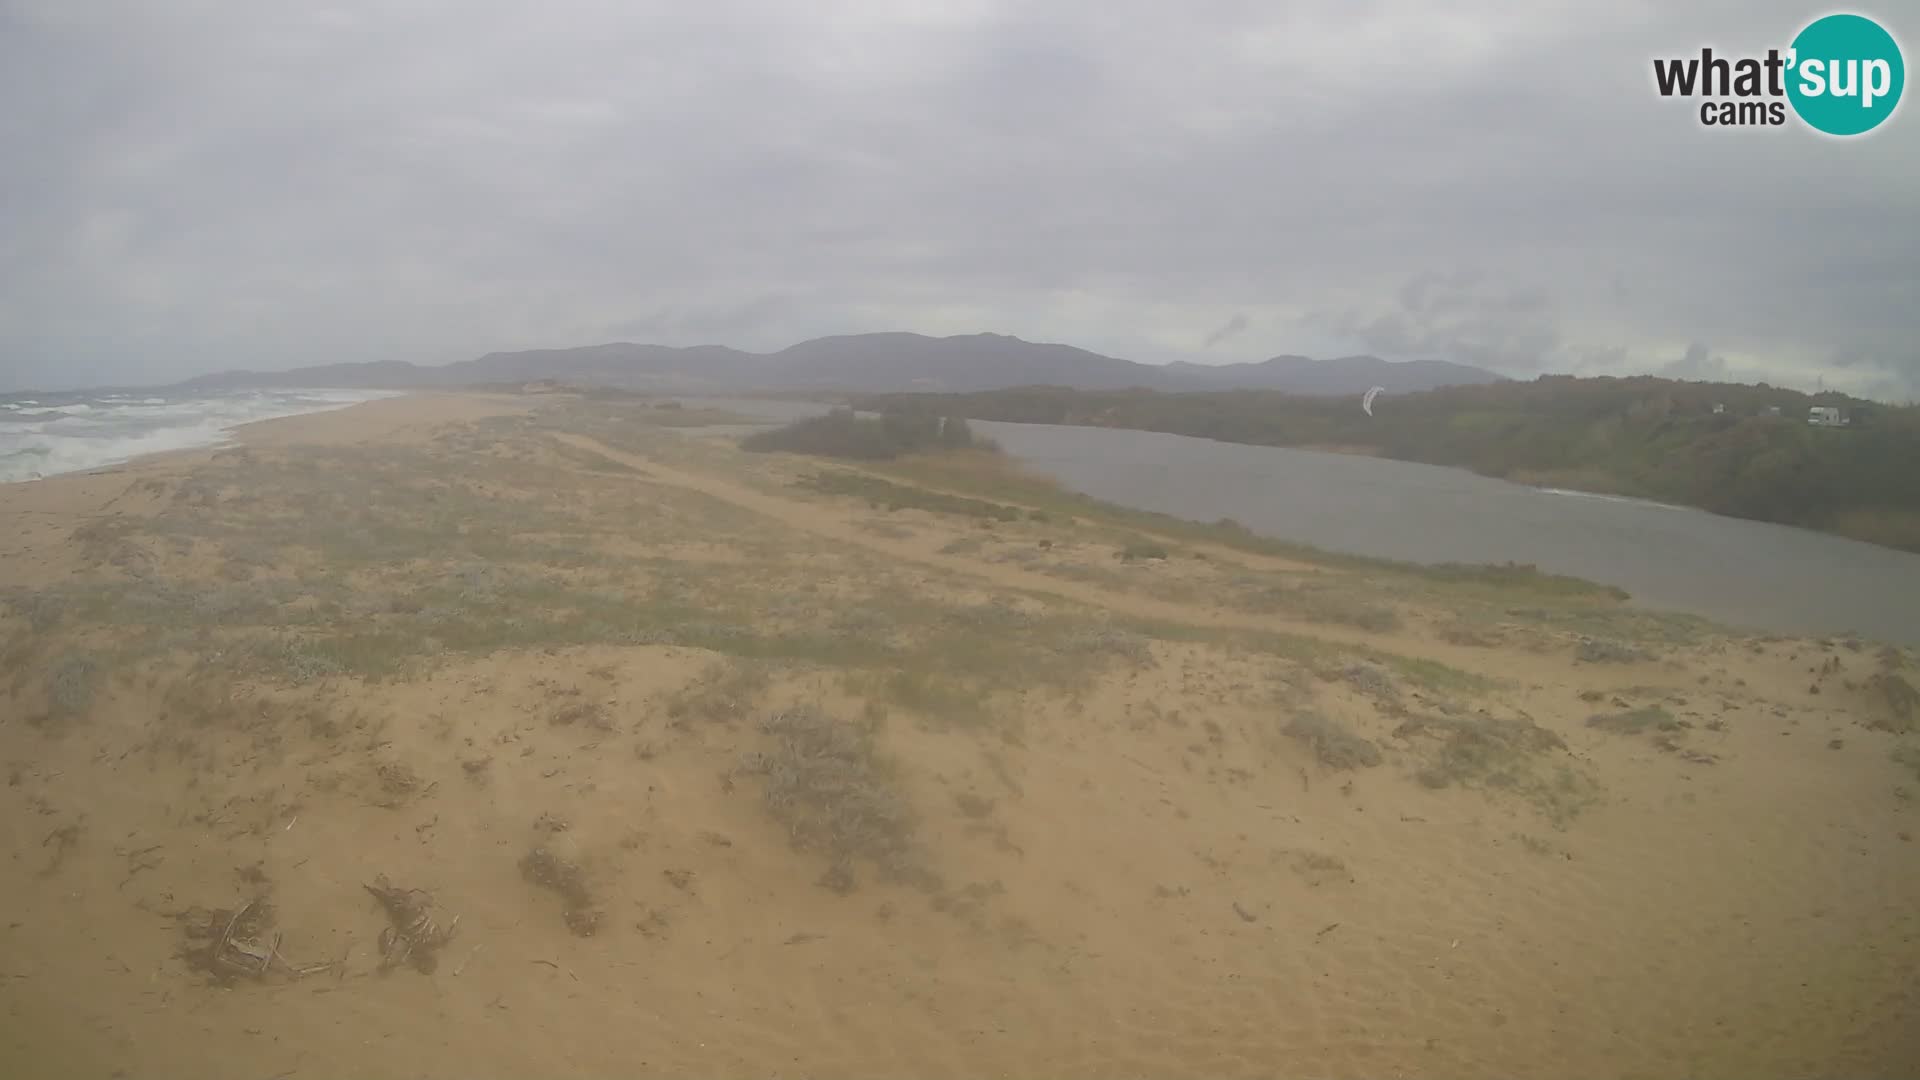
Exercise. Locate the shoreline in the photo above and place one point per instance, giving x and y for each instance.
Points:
(33, 551)
(198, 442)
(283, 430)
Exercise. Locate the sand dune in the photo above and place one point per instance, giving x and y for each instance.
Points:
(725, 774)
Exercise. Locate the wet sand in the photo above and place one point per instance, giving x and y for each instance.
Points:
(726, 771)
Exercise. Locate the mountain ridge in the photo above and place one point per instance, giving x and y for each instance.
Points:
(871, 363)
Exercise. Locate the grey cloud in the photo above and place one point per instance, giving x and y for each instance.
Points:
(1697, 365)
(228, 184)
(1599, 360)
(1232, 328)
(721, 324)
(1464, 315)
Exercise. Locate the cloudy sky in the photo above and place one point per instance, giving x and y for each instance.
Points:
(190, 185)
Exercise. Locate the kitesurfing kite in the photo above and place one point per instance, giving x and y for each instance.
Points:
(1366, 403)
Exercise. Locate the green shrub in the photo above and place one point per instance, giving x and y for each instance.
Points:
(1635, 721)
(71, 683)
(1899, 703)
(885, 493)
(826, 783)
(1332, 742)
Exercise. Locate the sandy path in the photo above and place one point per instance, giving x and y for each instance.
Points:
(812, 518)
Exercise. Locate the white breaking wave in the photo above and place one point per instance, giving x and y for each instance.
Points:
(92, 432)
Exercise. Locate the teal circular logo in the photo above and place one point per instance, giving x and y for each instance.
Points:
(1845, 74)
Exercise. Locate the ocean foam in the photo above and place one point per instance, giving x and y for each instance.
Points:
(99, 432)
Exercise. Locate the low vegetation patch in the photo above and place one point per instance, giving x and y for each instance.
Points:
(1479, 748)
(1898, 703)
(43, 610)
(1497, 754)
(1110, 641)
(1432, 674)
(826, 782)
(726, 692)
(1635, 721)
(1370, 680)
(945, 700)
(1596, 651)
(1333, 743)
(1462, 632)
(71, 683)
(371, 655)
(885, 494)
(1526, 576)
(565, 879)
(1337, 604)
(1909, 756)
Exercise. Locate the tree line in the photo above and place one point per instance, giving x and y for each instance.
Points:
(899, 429)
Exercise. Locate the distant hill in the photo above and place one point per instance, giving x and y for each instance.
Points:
(378, 375)
(870, 363)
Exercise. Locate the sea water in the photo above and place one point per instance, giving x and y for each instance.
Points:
(48, 434)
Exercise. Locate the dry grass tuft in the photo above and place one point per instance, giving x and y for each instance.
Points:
(565, 879)
(72, 682)
(726, 692)
(1898, 701)
(1598, 651)
(1335, 744)
(1635, 721)
(1499, 754)
(828, 785)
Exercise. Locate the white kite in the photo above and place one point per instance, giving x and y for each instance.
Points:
(1366, 403)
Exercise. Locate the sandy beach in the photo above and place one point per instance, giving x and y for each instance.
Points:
(502, 735)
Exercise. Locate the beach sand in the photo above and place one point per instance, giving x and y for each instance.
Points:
(728, 770)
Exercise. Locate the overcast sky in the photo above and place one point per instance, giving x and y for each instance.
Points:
(191, 185)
